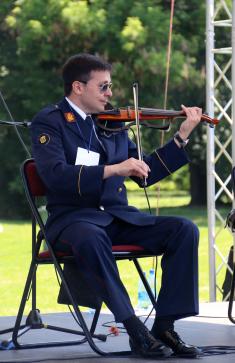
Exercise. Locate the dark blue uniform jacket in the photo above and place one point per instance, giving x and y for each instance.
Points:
(78, 192)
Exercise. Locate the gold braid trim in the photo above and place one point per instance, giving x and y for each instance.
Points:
(79, 178)
(162, 162)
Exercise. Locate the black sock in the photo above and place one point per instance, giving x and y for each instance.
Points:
(133, 325)
(162, 324)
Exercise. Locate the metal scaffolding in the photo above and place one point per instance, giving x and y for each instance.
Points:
(220, 97)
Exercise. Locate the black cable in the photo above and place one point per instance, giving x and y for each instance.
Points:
(216, 350)
(155, 290)
(147, 198)
(109, 324)
(14, 124)
(210, 317)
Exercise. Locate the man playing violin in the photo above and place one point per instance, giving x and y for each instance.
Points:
(84, 169)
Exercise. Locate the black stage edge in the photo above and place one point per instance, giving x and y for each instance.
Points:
(212, 327)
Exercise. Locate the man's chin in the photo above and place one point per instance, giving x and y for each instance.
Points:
(101, 108)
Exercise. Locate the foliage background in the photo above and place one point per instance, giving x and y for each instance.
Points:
(36, 37)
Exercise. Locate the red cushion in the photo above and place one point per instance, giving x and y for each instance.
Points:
(46, 254)
(127, 248)
(120, 248)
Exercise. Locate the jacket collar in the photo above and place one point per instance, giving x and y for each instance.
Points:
(75, 108)
(75, 123)
(70, 116)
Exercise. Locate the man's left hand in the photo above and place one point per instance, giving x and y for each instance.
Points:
(193, 117)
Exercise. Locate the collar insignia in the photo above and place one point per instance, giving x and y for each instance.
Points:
(70, 117)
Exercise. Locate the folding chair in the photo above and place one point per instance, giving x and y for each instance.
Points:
(35, 189)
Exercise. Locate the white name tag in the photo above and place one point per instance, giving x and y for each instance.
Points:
(85, 157)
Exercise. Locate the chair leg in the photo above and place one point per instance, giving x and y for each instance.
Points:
(35, 322)
(19, 329)
(145, 282)
(95, 320)
(77, 311)
(25, 295)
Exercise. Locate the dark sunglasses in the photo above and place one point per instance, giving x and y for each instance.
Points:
(102, 87)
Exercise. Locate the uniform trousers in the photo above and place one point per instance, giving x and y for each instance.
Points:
(175, 238)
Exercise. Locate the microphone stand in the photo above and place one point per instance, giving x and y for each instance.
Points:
(15, 123)
(33, 317)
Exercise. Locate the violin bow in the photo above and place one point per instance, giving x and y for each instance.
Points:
(137, 123)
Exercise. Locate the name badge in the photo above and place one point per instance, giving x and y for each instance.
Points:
(85, 157)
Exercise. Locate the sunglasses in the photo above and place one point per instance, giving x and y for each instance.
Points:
(102, 87)
(105, 86)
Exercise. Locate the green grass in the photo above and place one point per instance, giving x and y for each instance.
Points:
(15, 253)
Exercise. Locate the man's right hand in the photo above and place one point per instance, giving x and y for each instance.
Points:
(129, 167)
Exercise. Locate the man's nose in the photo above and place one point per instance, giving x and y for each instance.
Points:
(108, 92)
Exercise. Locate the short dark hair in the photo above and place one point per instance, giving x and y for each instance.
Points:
(78, 68)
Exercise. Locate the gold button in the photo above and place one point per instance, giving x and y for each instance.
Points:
(101, 207)
(119, 189)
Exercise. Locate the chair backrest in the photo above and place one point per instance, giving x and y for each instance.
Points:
(33, 180)
(34, 187)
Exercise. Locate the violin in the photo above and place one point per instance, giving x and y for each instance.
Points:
(127, 114)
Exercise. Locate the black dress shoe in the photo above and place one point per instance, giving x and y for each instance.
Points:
(146, 345)
(180, 349)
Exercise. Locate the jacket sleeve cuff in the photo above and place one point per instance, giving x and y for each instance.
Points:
(90, 180)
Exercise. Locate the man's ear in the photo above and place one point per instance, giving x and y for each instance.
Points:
(77, 87)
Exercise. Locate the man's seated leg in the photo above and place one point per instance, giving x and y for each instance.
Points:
(179, 264)
(177, 240)
(92, 249)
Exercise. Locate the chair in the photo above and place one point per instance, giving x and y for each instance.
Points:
(35, 189)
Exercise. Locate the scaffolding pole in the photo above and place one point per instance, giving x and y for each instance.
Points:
(210, 146)
(220, 101)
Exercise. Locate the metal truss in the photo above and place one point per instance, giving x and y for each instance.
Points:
(220, 98)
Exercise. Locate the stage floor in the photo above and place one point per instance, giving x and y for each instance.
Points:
(210, 328)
